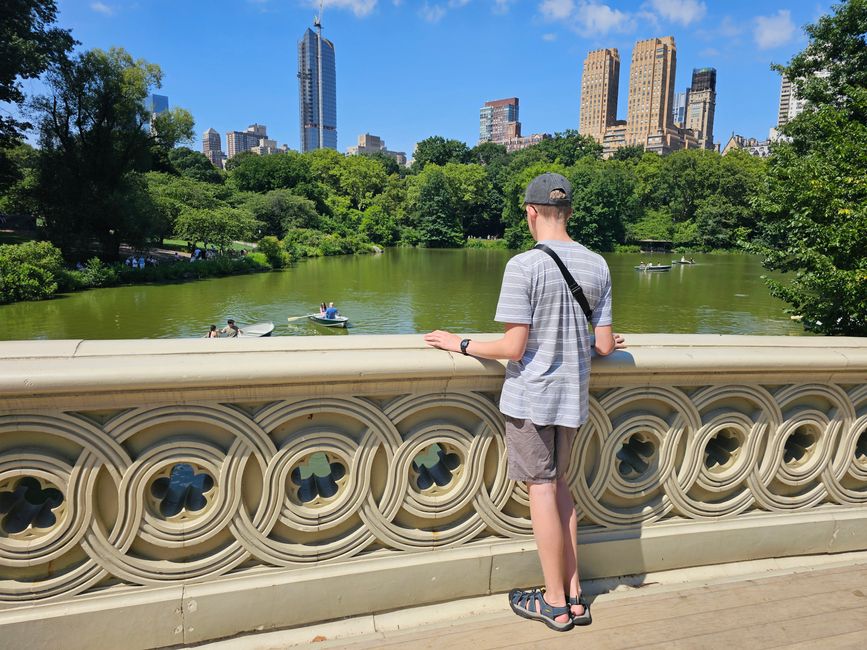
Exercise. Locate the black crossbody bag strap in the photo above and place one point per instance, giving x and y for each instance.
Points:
(574, 287)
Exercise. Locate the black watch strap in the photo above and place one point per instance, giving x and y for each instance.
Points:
(464, 345)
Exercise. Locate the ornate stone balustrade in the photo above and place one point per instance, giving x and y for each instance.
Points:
(202, 488)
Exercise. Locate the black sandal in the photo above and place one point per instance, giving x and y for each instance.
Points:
(581, 619)
(521, 602)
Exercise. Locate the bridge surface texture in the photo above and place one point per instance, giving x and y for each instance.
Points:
(802, 608)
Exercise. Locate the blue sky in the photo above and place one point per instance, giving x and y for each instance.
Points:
(409, 69)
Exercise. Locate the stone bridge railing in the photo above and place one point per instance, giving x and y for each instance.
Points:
(162, 492)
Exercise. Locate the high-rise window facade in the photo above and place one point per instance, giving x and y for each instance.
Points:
(599, 86)
(498, 121)
(651, 89)
(702, 106)
(156, 104)
(308, 92)
(212, 147)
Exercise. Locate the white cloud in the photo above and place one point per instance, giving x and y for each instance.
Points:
(710, 51)
(432, 13)
(595, 18)
(102, 8)
(502, 6)
(589, 17)
(549, 37)
(773, 31)
(680, 11)
(556, 9)
(358, 7)
(458, 3)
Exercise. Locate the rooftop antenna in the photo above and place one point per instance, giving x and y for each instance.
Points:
(317, 23)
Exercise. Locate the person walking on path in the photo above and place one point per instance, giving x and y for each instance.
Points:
(545, 396)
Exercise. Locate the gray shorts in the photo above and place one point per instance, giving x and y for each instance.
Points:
(538, 454)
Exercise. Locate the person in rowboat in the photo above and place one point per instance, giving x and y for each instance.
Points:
(331, 312)
(231, 330)
(322, 309)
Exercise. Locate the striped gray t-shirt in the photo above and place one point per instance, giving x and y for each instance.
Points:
(550, 384)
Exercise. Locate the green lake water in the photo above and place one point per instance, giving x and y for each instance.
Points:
(405, 291)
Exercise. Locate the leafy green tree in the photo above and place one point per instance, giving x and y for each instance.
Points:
(388, 163)
(220, 227)
(489, 153)
(603, 202)
(655, 224)
(379, 227)
(437, 150)
(632, 152)
(360, 179)
(815, 200)
(173, 127)
(92, 145)
(280, 210)
(29, 44)
(569, 147)
(194, 165)
(171, 195)
(438, 224)
(280, 171)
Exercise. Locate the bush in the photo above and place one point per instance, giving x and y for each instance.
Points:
(274, 252)
(303, 242)
(29, 271)
(98, 274)
(495, 244)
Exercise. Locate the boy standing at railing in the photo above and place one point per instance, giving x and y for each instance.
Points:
(545, 393)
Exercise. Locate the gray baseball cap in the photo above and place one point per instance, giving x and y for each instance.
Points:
(540, 188)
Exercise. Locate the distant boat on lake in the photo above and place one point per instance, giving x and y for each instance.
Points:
(653, 267)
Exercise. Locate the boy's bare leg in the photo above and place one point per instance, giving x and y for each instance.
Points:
(548, 532)
(569, 530)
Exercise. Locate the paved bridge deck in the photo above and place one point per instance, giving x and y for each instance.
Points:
(823, 606)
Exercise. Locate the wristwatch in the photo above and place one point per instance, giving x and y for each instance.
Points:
(464, 345)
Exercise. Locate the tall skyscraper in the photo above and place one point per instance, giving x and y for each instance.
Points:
(787, 98)
(678, 111)
(599, 86)
(651, 89)
(212, 147)
(156, 104)
(498, 121)
(701, 106)
(317, 91)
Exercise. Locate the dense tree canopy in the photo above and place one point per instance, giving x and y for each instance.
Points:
(814, 203)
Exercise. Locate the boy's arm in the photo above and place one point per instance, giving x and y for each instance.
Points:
(606, 342)
(510, 346)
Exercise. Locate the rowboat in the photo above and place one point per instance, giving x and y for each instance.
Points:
(682, 261)
(337, 321)
(256, 330)
(653, 267)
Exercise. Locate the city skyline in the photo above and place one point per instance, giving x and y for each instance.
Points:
(409, 70)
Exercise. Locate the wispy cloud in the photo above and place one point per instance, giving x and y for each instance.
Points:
(432, 13)
(556, 9)
(502, 6)
(587, 17)
(773, 31)
(359, 7)
(709, 51)
(684, 12)
(102, 8)
(549, 37)
(598, 18)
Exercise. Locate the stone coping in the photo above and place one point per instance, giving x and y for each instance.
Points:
(76, 366)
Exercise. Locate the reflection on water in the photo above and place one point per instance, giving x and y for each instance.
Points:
(405, 291)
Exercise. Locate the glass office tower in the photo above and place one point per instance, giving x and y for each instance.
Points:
(308, 92)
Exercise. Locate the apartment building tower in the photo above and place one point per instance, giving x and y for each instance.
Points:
(651, 89)
(368, 143)
(701, 106)
(313, 73)
(498, 121)
(212, 147)
(599, 89)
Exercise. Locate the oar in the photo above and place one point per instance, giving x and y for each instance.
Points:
(291, 318)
